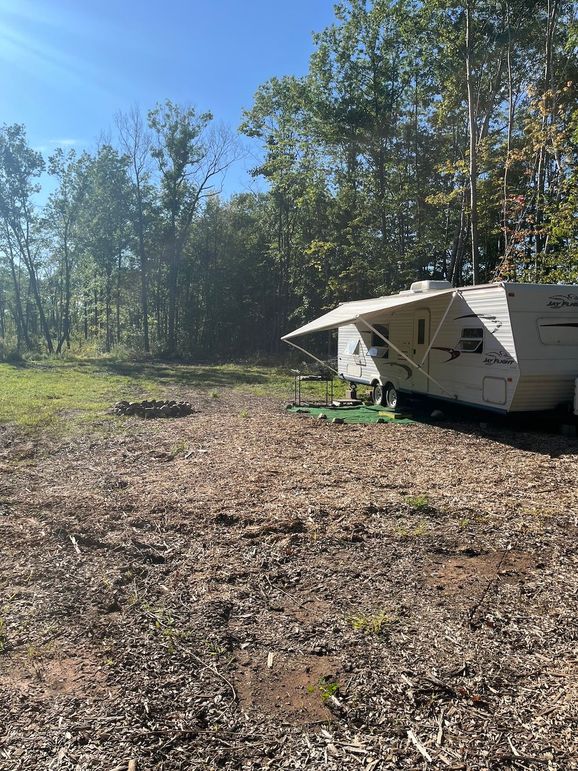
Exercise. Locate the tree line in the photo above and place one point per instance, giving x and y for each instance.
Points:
(428, 139)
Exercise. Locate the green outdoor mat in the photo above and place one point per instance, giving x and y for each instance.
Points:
(362, 414)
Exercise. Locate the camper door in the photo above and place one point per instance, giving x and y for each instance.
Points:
(421, 337)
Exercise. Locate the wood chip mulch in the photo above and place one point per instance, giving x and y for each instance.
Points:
(249, 589)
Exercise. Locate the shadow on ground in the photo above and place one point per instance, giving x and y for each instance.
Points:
(184, 374)
(531, 432)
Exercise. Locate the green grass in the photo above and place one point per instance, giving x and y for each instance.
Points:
(422, 528)
(372, 623)
(3, 638)
(417, 502)
(60, 392)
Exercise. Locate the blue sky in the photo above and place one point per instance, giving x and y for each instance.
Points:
(69, 66)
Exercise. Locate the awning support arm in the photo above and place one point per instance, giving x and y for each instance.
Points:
(404, 356)
(311, 356)
(439, 326)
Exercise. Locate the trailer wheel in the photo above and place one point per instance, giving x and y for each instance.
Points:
(391, 398)
(378, 395)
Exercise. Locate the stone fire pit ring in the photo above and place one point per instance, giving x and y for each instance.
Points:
(154, 408)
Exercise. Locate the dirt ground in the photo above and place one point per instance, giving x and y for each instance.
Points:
(249, 589)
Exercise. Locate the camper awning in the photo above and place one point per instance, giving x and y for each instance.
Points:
(369, 310)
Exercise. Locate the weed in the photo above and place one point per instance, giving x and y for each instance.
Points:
(327, 688)
(532, 520)
(464, 523)
(417, 501)
(179, 449)
(40, 651)
(215, 650)
(165, 625)
(3, 635)
(372, 624)
(422, 528)
(214, 395)
(244, 414)
(536, 513)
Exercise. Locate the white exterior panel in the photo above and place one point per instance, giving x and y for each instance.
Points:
(547, 368)
(357, 363)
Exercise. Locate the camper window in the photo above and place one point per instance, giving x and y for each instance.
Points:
(352, 348)
(379, 348)
(472, 340)
(421, 331)
(376, 340)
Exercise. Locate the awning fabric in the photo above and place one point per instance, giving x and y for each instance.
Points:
(348, 313)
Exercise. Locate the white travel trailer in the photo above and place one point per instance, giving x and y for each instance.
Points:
(504, 347)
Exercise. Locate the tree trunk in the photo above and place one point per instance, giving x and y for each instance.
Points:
(142, 259)
(118, 282)
(473, 165)
(458, 244)
(39, 305)
(508, 146)
(2, 312)
(65, 336)
(108, 311)
(143, 275)
(96, 315)
(85, 304)
(418, 196)
(172, 300)
(21, 326)
(23, 239)
(542, 155)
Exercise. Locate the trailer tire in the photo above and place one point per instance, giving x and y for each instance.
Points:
(378, 395)
(390, 396)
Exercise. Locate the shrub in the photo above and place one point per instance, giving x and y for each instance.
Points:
(417, 501)
(9, 354)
